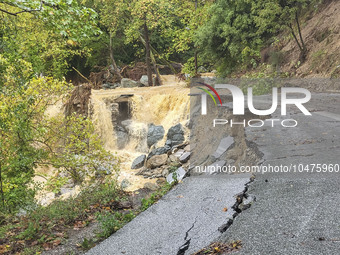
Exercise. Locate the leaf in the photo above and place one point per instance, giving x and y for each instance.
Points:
(57, 242)
(225, 209)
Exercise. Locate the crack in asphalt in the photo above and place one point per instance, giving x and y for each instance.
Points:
(185, 246)
(239, 199)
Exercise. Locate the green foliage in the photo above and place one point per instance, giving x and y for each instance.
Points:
(28, 137)
(43, 223)
(78, 150)
(87, 244)
(55, 183)
(47, 38)
(237, 30)
(22, 129)
(230, 31)
(154, 197)
(110, 223)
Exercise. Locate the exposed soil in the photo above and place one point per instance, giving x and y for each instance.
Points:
(321, 33)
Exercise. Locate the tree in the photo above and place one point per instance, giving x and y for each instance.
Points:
(146, 16)
(47, 34)
(40, 38)
(22, 129)
(230, 31)
(140, 21)
(277, 15)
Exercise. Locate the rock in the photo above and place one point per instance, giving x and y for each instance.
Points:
(178, 153)
(157, 161)
(144, 80)
(224, 145)
(151, 186)
(116, 85)
(127, 83)
(161, 181)
(124, 184)
(152, 173)
(176, 134)
(247, 202)
(107, 85)
(142, 171)
(185, 157)
(165, 172)
(179, 175)
(155, 134)
(180, 146)
(168, 143)
(159, 151)
(138, 162)
(173, 158)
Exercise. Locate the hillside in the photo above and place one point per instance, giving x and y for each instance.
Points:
(321, 32)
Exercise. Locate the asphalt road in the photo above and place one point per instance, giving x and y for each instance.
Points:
(183, 221)
(294, 213)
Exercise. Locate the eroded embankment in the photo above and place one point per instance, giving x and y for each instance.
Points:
(122, 118)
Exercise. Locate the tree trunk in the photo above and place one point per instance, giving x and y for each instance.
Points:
(147, 55)
(303, 46)
(196, 61)
(113, 60)
(158, 76)
(196, 64)
(1, 188)
(296, 40)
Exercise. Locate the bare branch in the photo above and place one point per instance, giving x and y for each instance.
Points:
(22, 10)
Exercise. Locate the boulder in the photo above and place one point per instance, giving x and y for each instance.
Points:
(176, 134)
(151, 186)
(157, 161)
(155, 134)
(179, 153)
(124, 184)
(184, 157)
(106, 85)
(159, 151)
(128, 83)
(138, 162)
(144, 80)
(179, 174)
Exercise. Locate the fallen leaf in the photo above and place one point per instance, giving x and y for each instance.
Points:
(47, 246)
(56, 242)
(3, 248)
(225, 209)
(59, 234)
